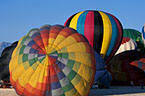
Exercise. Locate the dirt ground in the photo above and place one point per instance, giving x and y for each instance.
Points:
(113, 91)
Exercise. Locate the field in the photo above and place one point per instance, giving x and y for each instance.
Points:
(113, 91)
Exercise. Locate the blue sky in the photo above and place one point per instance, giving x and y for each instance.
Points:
(17, 17)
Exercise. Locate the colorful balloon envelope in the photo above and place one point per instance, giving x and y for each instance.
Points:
(103, 30)
(52, 61)
(126, 45)
(134, 35)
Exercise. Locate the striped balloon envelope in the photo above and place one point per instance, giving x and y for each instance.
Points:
(103, 30)
(126, 45)
(52, 61)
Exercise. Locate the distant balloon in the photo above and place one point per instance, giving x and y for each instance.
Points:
(52, 61)
(143, 34)
(132, 33)
(4, 61)
(103, 30)
(126, 45)
(135, 35)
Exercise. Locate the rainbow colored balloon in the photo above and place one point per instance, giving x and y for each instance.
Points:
(103, 30)
(52, 61)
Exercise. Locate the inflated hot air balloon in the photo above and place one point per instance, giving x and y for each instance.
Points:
(126, 45)
(135, 35)
(143, 34)
(103, 30)
(52, 61)
(132, 33)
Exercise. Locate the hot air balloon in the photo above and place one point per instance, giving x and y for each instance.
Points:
(4, 61)
(52, 61)
(4, 65)
(121, 69)
(135, 35)
(132, 33)
(143, 34)
(103, 30)
(126, 45)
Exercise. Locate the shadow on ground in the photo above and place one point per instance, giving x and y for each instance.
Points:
(118, 90)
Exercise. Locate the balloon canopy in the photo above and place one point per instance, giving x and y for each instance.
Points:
(121, 69)
(135, 35)
(4, 61)
(132, 33)
(103, 30)
(126, 45)
(52, 61)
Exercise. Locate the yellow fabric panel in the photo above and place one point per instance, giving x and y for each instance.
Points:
(76, 94)
(107, 34)
(44, 67)
(17, 72)
(73, 23)
(72, 92)
(76, 79)
(83, 58)
(43, 75)
(77, 47)
(67, 42)
(85, 72)
(24, 78)
(58, 40)
(17, 48)
(81, 88)
(51, 40)
(13, 64)
(34, 78)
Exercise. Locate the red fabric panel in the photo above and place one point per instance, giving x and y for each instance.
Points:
(89, 27)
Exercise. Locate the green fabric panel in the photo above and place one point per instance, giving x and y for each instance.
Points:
(22, 49)
(71, 75)
(64, 55)
(32, 61)
(67, 87)
(42, 59)
(25, 57)
(70, 63)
